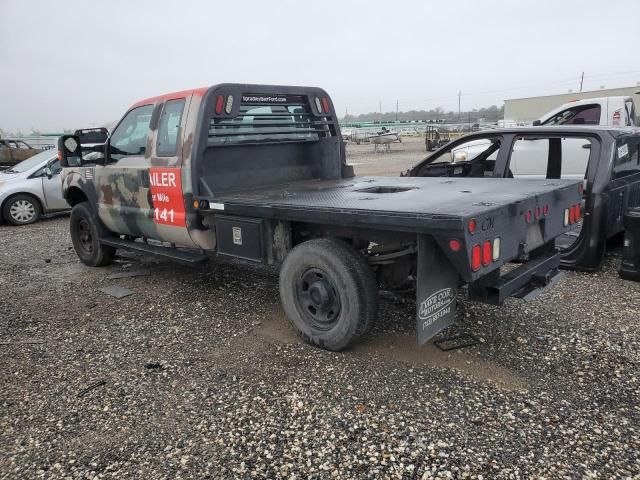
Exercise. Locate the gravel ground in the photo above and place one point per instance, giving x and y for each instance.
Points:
(401, 157)
(199, 375)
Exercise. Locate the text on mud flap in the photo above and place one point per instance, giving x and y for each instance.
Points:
(436, 306)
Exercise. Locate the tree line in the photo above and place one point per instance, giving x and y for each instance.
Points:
(488, 114)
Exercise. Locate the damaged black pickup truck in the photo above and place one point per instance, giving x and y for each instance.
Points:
(258, 172)
(605, 159)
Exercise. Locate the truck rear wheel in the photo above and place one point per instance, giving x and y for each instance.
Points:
(86, 239)
(329, 293)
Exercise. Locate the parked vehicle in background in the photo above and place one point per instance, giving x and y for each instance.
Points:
(14, 151)
(609, 111)
(258, 172)
(434, 139)
(606, 159)
(32, 188)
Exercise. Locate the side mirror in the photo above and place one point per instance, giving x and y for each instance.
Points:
(537, 123)
(48, 172)
(69, 151)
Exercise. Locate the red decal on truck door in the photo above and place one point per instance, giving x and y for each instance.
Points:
(166, 195)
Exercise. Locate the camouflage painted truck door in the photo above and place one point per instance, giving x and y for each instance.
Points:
(124, 196)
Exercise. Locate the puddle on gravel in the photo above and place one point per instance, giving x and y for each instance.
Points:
(276, 328)
(71, 271)
(404, 348)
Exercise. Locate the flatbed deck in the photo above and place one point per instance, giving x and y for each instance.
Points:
(419, 204)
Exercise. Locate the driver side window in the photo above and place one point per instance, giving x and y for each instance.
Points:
(130, 136)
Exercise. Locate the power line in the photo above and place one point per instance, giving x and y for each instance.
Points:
(556, 83)
(546, 84)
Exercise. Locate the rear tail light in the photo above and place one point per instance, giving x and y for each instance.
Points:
(325, 104)
(318, 105)
(537, 213)
(472, 225)
(483, 255)
(219, 104)
(455, 245)
(487, 252)
(578, 212)
(572, 214)
(476, 255)
(527, 216)
(545, 210)
(496, 249)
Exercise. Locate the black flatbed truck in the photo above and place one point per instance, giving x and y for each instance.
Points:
(259, 173)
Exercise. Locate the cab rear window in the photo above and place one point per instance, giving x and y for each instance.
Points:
(169, 127)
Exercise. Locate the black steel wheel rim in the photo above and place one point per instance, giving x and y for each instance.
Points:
(318, 299)
(83, 233)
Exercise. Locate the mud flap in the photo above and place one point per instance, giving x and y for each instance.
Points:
(436, 290)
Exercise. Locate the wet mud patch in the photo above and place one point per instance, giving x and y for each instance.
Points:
(277, 329)
(404, 348)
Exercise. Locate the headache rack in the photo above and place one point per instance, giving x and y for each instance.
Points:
(259, 135)
(268, 118)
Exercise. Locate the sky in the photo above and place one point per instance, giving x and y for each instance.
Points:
(75, 64)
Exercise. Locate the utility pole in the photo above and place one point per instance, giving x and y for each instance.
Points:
(581, 80)
(459, 96)
(397, 105)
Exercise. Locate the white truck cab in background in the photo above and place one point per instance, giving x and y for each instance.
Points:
(608, 111)
(529, 157)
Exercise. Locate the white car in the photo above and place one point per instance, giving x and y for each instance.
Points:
(32, 188)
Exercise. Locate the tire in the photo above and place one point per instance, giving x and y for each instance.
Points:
(86, 238)
(329, 293)
(21, 209)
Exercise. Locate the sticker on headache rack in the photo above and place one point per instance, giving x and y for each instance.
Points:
(623, 151)
(166, 196)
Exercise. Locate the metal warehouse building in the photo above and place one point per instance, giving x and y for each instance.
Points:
(532, 108)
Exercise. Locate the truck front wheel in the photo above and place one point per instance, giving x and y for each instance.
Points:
(329, 293)
(86, 239)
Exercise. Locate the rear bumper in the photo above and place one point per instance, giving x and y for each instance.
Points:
(526, 281)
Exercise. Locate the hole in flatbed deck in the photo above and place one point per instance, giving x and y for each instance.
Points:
(385, 189)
